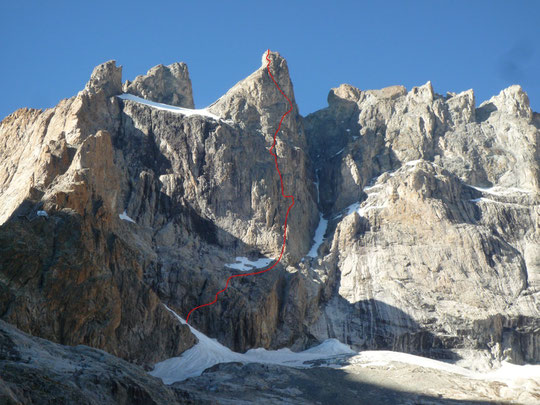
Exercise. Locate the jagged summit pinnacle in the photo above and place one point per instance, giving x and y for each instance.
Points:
(106, 77)
(164, 84)
(513, 101)
(274, 56)
(256, 95)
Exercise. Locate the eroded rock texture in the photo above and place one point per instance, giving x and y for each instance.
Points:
(434, 211)
(37, 371)
(431, 246)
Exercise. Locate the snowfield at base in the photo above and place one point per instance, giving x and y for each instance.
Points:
(208, 352)
(124, 216)
(165, 107)
(244, 264)
(511, 374)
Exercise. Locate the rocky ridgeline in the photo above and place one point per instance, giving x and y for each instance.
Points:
(432, 209)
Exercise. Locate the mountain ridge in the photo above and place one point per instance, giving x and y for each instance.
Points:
(431, 206)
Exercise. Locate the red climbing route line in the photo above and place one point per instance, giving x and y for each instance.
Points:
(282, 193)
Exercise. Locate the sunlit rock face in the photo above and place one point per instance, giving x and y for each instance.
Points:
(434, 206)
(425, 209)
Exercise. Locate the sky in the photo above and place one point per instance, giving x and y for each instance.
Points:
(49, 48)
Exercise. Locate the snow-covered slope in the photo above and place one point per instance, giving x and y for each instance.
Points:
(209, 352)
(166, 107)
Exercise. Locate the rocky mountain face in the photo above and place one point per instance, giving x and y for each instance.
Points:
(425, 210)
(433, 209)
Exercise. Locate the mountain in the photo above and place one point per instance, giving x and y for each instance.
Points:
(415, 226)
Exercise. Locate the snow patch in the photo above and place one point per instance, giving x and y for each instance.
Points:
(496, 190)
(165, 107)
(208, 352)
(510, 374)
(413, 162)
(369, 188)
(42, 214)
(363, 210)
(125, 217)
(319, 236)
(244, 264)
(489, 200)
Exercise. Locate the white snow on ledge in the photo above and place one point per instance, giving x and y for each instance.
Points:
(362, 211)
(319, 236)
(123, 216)
(165, 107)
(511, 374)
(497, 190)
(208, 352)
(244, 264)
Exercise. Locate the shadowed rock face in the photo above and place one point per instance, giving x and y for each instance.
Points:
(432, 209)
(36, 371)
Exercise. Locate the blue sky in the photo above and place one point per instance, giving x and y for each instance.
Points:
(49, 48)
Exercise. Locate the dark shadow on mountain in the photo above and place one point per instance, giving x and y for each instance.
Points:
(374, 325)
(483, 113)
(186, 273)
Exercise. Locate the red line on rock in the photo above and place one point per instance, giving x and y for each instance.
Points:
(282, 193)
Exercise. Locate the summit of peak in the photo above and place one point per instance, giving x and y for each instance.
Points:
(273, 56)
(513, 100)
(246, 100)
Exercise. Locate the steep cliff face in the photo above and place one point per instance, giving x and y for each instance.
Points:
(198, 188)
(206, 187)
(415, 225)
(75, 275)
(434, 211)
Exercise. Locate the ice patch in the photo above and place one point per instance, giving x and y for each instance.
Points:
(352, 208)
(319, 236)
(510, 374)
(208, 352)
(413, 162)
(496, 190)
(369, 188)
(125, 217)
(363, 210)
(165, 107)
(42, 214)
(489, 200)
(341, 151)
(244, 264)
